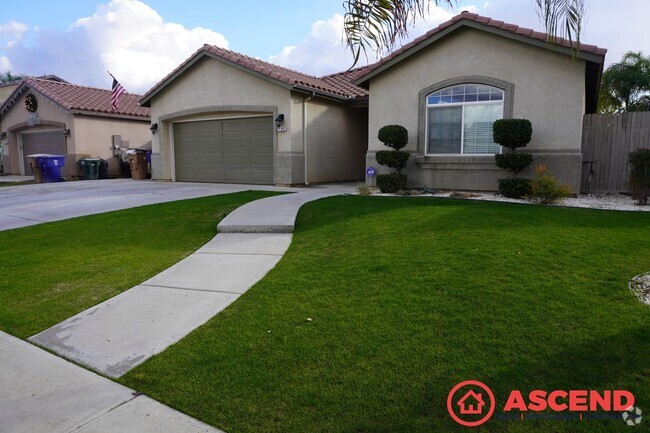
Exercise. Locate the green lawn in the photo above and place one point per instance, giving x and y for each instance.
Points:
(409, 296)
(50, 272)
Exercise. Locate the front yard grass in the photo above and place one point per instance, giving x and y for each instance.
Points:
(382, 305)
(50, 272)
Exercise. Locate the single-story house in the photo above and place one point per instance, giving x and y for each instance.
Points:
(53, 116)
(226, 117)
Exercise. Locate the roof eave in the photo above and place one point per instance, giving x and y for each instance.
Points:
(145, 101)
(111, 115)
(592, 57)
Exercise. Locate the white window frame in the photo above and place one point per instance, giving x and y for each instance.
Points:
(462, 131)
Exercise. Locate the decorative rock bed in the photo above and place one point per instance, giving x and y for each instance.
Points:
(640, 286)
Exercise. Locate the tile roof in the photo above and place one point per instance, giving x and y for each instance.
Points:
(489, 22)
(338, 85)
(73, 97)
(345, 85)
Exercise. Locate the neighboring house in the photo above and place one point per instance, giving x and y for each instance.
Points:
(71, 120)
(216, 111)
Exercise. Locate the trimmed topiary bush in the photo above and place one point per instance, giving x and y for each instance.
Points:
(638, 180)
(513, 134)
(514, 162)
(391, 183)
(514, 187)
(393, 159)
(395, 137)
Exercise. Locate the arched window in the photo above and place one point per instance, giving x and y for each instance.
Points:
(460, 118)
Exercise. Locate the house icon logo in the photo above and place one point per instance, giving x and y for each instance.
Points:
(471, 403)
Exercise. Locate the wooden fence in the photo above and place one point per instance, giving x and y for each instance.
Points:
(609, 139)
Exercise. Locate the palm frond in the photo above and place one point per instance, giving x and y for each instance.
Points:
(562, 19)
(378, 24)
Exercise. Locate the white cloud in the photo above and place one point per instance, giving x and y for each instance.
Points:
(126, 37)
(324, 51)
(321, 52)
(5, 64)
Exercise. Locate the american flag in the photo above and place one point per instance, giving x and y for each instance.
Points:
(116, 91)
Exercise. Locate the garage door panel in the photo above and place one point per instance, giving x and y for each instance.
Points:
(232, 150)
(52, 142)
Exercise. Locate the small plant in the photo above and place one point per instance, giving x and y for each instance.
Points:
(638, 180)
(462, 194)
(513, 134)
(364, 189)
(395, 137)
(545, 189)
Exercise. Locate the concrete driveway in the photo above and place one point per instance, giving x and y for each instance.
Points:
(26, 205)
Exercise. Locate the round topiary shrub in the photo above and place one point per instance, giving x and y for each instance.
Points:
(514, 162)
(393, 158)
(394, 136)
(391, 183)
(512, 133)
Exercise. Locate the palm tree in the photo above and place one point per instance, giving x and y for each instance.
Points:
(378, 24)
(6, 77)
(625, 84)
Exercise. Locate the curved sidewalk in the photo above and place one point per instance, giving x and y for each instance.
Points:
(124, 331)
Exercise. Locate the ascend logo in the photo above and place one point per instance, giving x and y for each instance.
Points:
(472, 403)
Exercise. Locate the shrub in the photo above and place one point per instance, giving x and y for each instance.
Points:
(364, 189)
(514, 187)
(545, 189)
(394, 136)
(512, 133)
(514, 162)
(393, 158)
(391, 183)
(638, 180)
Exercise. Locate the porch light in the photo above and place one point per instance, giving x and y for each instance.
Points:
(3, 135)
(154, 128)
(279, 120)
(66, 132)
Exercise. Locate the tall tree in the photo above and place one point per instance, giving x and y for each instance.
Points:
(7, 76)
(378, 24)
(625, 85)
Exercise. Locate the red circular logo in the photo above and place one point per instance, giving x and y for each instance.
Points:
(471, 403)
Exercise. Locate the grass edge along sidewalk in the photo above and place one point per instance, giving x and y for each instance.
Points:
(53, 271)
(381, 305)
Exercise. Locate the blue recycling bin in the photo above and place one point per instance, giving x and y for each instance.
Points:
(51, 167)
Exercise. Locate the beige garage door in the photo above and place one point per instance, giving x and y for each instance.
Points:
(230, 151)
(42, 142)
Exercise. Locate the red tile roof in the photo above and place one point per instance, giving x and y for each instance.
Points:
(337, 85)
(489, 22)
(73, 97)
(344, 85)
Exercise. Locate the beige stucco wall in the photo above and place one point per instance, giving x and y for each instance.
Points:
(93, 137)
(336, 141)
(211, 89)
(549, 89)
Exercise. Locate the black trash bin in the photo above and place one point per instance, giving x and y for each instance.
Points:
(103, 169)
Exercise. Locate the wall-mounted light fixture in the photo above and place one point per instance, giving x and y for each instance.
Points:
(153, 128)
(3, 135)
(279, 121)
(66, 132)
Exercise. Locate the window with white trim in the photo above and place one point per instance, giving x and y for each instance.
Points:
(460, 118)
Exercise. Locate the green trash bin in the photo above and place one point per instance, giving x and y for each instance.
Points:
(89, 168)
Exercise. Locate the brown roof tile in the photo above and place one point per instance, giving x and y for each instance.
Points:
(80, 98)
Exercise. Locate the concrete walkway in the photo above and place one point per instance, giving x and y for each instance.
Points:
(115, 336)
(42, 393)
(26, 205)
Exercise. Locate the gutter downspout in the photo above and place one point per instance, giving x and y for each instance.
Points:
(304, 130)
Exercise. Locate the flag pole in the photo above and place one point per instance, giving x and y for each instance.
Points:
(111, 75)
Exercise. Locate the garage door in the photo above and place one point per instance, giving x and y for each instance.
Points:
(42, 142)
(230, 151)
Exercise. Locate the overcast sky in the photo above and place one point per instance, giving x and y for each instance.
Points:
(141, 41)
